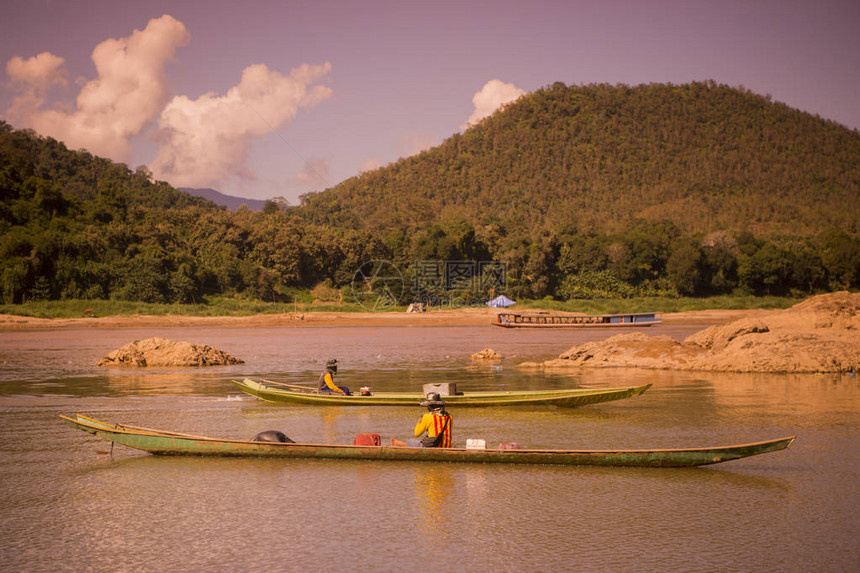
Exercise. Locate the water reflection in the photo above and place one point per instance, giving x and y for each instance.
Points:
(433, 489)
(169, 383)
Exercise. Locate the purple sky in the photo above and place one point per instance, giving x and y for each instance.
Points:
(205, 92)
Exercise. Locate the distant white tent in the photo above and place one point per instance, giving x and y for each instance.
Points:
(500, 302)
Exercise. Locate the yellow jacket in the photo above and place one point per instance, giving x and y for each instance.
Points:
(432, 423)
(327, 382)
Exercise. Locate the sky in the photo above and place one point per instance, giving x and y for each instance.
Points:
(264, 99)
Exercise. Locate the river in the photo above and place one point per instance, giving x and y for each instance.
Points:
(70, 502)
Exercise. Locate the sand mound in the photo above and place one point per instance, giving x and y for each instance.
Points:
(487, 354)
(154, 352)
(633, 349)
(821, 334)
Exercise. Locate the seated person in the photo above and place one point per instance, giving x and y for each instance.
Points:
(435, 428)
(326, 381)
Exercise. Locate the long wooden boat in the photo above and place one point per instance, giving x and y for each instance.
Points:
(292, 393)
(514, 320)
(177, 444)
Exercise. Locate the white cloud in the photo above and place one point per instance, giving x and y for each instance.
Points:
(37, 72)
(130, 90)
(206, 140)
(32, 78)
(492, 96)
(201, 141)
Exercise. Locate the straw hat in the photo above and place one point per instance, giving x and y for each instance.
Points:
(433, 399)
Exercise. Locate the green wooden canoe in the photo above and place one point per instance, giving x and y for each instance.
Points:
(291, 393)
(173, 443)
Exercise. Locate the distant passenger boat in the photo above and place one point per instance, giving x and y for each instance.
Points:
(513, 320)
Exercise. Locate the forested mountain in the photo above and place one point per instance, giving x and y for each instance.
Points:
(73, 225)
(706, 157)
(576, 192)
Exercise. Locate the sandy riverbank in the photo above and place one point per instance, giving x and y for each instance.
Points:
(455, 317)
(820, 334)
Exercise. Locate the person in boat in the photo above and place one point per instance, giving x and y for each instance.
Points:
(326, 382)
(435, 429)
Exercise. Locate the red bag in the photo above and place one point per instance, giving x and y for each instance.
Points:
(366, 440)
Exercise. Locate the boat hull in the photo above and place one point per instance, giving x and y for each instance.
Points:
(273, 392)
(172, 443)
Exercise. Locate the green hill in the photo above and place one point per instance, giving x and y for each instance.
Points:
(77, 226)
(574, 192)
(706, 157)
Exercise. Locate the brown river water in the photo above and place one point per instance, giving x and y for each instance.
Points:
(71, 503)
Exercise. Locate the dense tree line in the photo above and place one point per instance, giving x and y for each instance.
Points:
(577, 192)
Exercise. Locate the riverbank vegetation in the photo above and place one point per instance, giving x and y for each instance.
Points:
(573, 193)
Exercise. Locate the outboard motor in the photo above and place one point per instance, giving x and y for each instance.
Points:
(272, 436)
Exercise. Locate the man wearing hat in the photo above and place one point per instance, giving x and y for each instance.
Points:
(437, 424)
(326, 382)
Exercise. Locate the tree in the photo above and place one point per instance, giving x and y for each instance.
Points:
(182, 286)
(840, 254)
(144, 279)
(594, 284)
(807, 272)
(15, 281)
(720, 263)
(766, 271)
(581, 253)
(684, 268)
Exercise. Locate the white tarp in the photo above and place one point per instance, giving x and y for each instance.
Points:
(500, 302)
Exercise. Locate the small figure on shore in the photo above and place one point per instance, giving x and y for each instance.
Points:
(326, 382)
